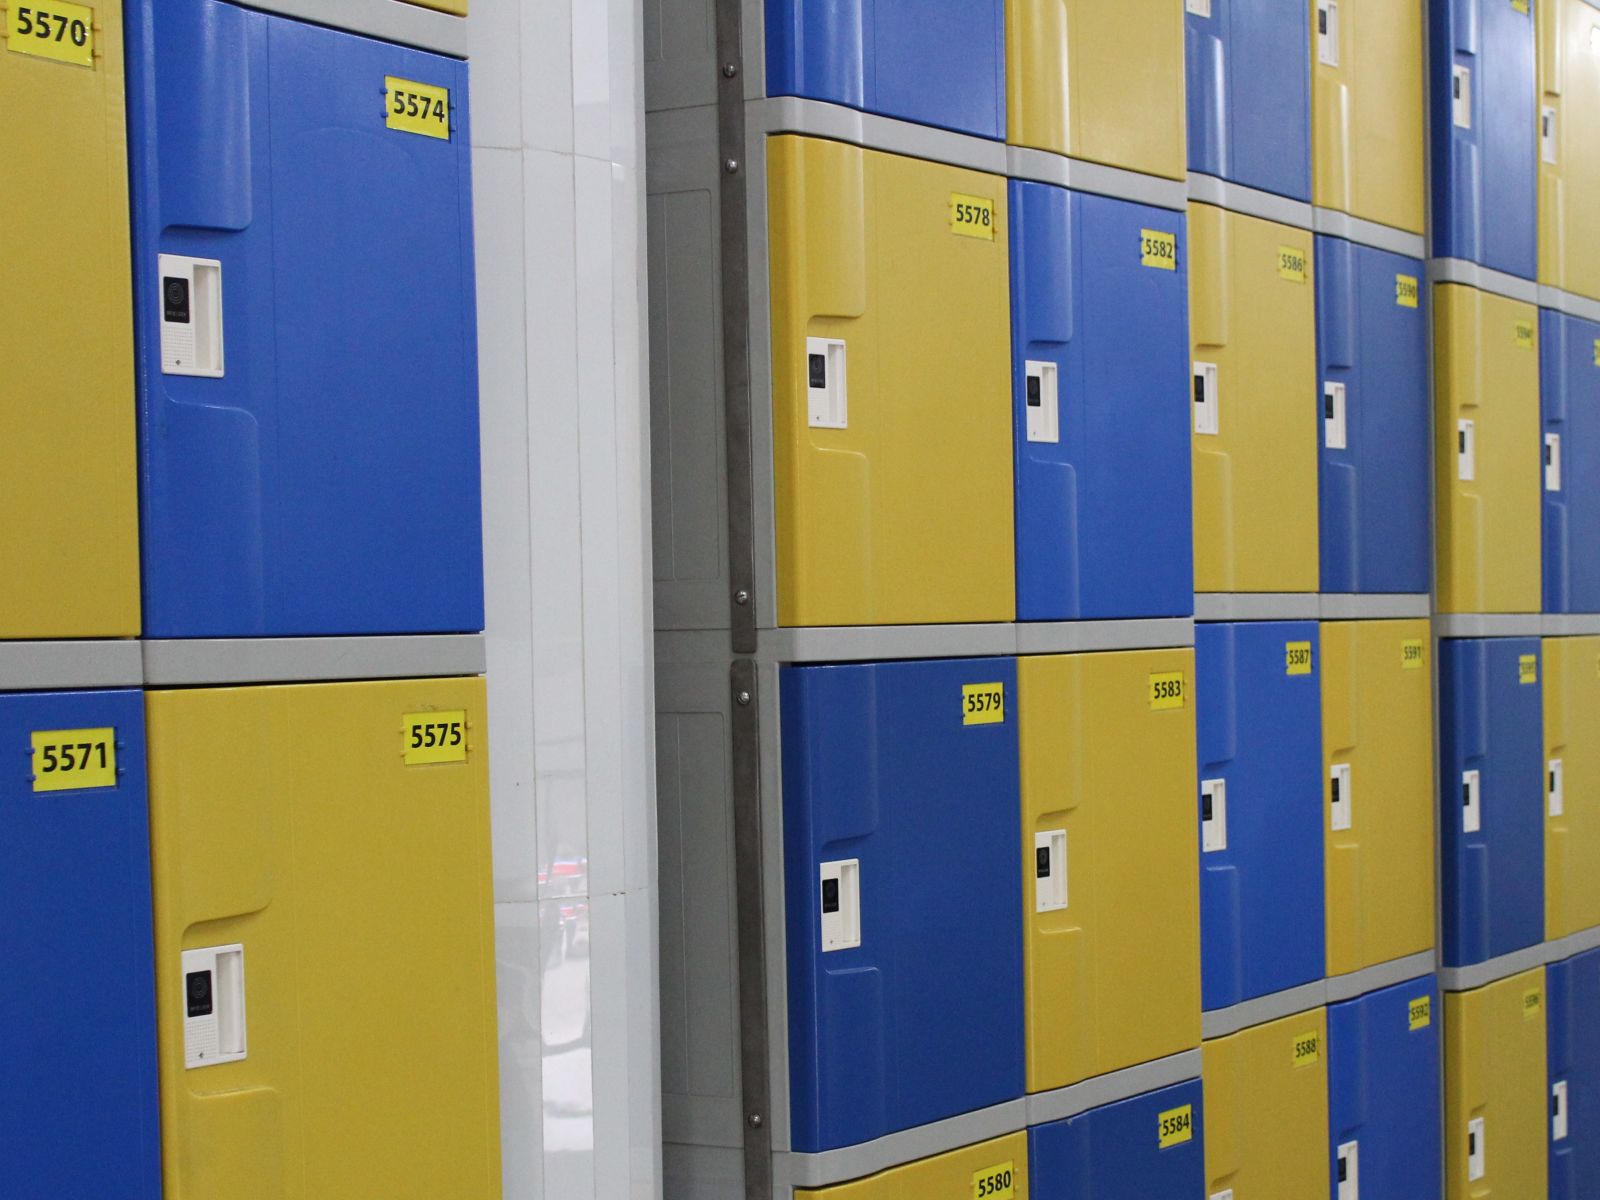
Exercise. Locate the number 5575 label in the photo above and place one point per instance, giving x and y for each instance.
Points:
(417, 107)
(434, 737)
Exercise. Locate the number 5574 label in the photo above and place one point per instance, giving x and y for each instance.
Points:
(414, 107)
(434, 737)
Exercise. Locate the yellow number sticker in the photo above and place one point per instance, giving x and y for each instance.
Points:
(1405, 291)
(1166, 690)
(1292, 264)
(434, 737)
(1411, 657)
(52, 29)
(983, 704)
(1420, 1012)
(1159, 250)
(417, 107)
(1532, 1003)
(1297, 658)
(995, 1183)
(1528, 669)
(1175, 1126)
(1307, 1048)
(972, 216)
(1522, 332)
(66, 760)
(1520, 5)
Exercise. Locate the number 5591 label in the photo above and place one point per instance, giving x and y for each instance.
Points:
(65, 760)
(417, 107)
(434, 737)
(52, 29)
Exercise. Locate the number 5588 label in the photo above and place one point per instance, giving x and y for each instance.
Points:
(434, 737)
(417, 107)
(65, 760)
(52, 29)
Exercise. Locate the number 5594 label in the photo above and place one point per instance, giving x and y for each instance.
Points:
(52, 29)
(417, 107)
(65, 760)
(434, 737)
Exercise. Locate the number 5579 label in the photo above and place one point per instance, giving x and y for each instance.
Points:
(434, 737)
(65, 760)
(52, 29)
(417, 107)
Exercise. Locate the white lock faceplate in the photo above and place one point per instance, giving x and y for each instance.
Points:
(1547, 134)
(1200, 8)
(1042, 401)
(1466, 451)
(1558, 1111)
(1475, 1149)
(1225, 1194)
(1461, 97)
(1552, 462)
(1349, 1171)
(1207, 403)
(1333, 418)
(1050, 870)
(1471, 802)
(827, 384)
(1555, 787)
(1341, 812)
(190, 297)
(841, 905)
(1328, 32)
(1213, 815)
(214, 1009)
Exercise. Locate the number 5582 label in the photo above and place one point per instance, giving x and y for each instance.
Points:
(434, 737)
(417, 107)
(65, 760)
(52, 29)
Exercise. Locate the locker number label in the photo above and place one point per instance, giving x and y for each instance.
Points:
(417, 107)
(1166, 690)
(1406, 293)
(434, 737)
(1532, 1003)
(1292, 264)
(1297, 658)
(1522, 334)
(995, 1183)
(1175, 1126)
(1520, 5)
(1158, 250)
(1597, 352)
(972, 216)
(1411, 654)
(1528, 669)
(65, 760)
(1307, 1049)
(983, 704)
(52, 29)
(1420, 1012)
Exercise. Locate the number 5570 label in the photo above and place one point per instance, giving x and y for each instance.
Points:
(434, 737)
(417, 107)
(52, 29)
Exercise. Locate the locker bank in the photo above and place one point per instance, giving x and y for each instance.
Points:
(1572, 986)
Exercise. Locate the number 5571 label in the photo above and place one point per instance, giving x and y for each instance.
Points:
(66, 760)
(434, 737)
(52, 29)
(414, 107)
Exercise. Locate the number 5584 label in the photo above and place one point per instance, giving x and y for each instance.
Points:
(65, 760)
(417, 107)
(52, 29)
(434, 737)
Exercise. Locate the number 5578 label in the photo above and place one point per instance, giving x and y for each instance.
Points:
(434, 737)
(65, 760)
(417, 107)
(52, 29)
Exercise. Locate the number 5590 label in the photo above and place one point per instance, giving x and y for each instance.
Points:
(434, 737)
(65, 760)
(52, 29)
(417, 107)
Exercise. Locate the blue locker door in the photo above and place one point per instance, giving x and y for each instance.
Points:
(1569, 389)
(902, 825)
(1491, 784)
(1249, 81)
(1259, 712)
(326, 482)
(1372, 350)
(79, 1112)
(1383, 1093)
(1150, 1146)
(1485, 134)
(936, 62)
(1573, 990)
(1100, 368)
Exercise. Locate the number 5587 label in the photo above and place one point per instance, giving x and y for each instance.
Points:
(65, 760)
(434, 737)
(417, 107)
(52, 29)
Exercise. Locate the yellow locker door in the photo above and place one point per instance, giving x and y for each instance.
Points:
(1366, 110)
(68, 485)
(321, 857)
(1495, 1099)
(1098, 81)
(891, 388)
(1112, 954)
(455, 7)
(1572, 784)
(1266, 1109)
(1569, 146)
(1487, 459)
(1253, 327)
(1377, 778)
(997, 1168)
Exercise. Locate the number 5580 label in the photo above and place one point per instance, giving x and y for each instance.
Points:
(434, 737)
(417, 107)
(65, 760)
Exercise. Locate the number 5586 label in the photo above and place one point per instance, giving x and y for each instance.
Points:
(434, 737)
(65, 760)
(52, 29)
(417, 107)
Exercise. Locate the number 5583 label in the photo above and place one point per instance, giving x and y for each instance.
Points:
(65, 760)
(417, 107)
(434, 737)
(52, 29)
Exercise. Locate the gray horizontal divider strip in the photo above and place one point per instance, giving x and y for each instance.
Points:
(872, 643)
(1371, 979)
(1577, 943)
(1147, 1077)
(1024, 162)
(390, 20)
(853, 1162)
(1571, 624)
(1344, 606)
(1338, 224)
(1459, 270)
(1235, 197)
(1466, 979)
(224, 661)
(1569, 303)
(1476, 625)
(816, 118)
(1257, 606)
(1221, 1022)
(42, 665)
(1074, 636)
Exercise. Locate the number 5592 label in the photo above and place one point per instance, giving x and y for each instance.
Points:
(434, 737)
(65, 760)
(52, 29)
(414, 107)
